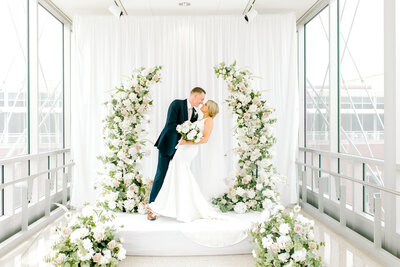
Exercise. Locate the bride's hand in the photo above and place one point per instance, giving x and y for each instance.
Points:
(182, 142)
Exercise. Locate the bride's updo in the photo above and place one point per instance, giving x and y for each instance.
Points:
(212, 108)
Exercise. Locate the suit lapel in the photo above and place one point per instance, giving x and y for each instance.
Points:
(185, 110)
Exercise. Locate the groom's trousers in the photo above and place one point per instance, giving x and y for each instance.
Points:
(162, 167)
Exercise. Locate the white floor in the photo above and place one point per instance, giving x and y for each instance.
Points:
(338, 252)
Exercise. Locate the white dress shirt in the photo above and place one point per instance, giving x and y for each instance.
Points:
(189, 109)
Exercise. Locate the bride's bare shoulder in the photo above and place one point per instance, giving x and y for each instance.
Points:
(208, 121)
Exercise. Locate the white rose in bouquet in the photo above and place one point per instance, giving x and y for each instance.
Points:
(189, 131)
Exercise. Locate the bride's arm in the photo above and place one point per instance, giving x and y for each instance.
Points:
(208, 126)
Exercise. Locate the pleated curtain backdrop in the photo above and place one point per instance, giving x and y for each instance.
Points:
(106, 49)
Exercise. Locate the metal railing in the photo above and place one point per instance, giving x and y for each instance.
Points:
(323, 169)
(30, 186)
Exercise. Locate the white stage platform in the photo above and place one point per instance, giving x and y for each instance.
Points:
(168, 237)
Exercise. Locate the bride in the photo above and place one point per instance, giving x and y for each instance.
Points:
(180, 196)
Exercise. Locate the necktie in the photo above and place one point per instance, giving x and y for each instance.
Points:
(193, 115)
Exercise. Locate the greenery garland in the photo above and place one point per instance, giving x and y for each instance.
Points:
(256, 179)
(123, 186)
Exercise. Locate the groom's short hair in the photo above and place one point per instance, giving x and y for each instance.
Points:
(197, 90)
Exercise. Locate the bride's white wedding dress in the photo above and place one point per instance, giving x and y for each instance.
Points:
(180, 196)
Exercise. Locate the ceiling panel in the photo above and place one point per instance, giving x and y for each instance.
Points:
(171, 7)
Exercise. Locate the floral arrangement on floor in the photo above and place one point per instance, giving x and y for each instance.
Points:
(256, 179)
(285, 238)
(190, 131)
(123, 187)
(86, 239)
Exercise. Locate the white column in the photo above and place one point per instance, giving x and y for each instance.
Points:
(33, 93)
(333, 94)
(391, 94)
(302, 100)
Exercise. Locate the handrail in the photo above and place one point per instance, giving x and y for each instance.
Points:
(350, 178)
(346, 156)
(33, 176)
(33, 156)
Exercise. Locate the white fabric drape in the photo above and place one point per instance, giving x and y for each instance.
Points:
(105, 50)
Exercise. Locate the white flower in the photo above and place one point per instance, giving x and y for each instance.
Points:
(283, 240)
(129, 204)
(297, 208)
(263, 139)
(85, 256)
(185, 128)
(121, 254)
(283, 257)
(266, 242)
(259, 187)
(310, 235)
(117, 119)
(251, 193)
(87, 244)
(240, 191)
(78, 234)
(253, 108)
(240, 207)
(284, 228)
(299, 255)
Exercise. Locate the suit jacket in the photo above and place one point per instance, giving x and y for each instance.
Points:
(169, 137)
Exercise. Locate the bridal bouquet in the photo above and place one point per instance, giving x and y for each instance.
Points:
(86, 239)
(285, 238)
(190, 131)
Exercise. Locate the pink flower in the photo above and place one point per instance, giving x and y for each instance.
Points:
(155, 78)
(66, 231)
(96, 257)
(112, 244)
(60, 259)
(298, 228)
(138, 88)
(275, 248)
(312, 245)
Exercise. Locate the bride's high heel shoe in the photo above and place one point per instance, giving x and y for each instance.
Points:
(151, 216)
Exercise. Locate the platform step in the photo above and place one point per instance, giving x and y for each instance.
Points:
(168, 237)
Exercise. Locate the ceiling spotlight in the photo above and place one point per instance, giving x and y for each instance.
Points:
(184, 4)
(116, 10)
(249, 12)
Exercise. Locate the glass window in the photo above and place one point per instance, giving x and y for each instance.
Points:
(50, 81)
(361, 77)
(13, 78)
(317, 81)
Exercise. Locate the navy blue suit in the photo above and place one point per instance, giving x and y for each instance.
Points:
(167, 141)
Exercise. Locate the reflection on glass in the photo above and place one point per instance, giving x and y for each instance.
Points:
(361, 78)
(13, 79)
(317, 81)
(50, 82)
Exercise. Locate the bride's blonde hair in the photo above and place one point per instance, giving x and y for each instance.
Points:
(212, 108)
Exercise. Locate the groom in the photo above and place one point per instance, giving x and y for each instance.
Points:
(179, 111)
